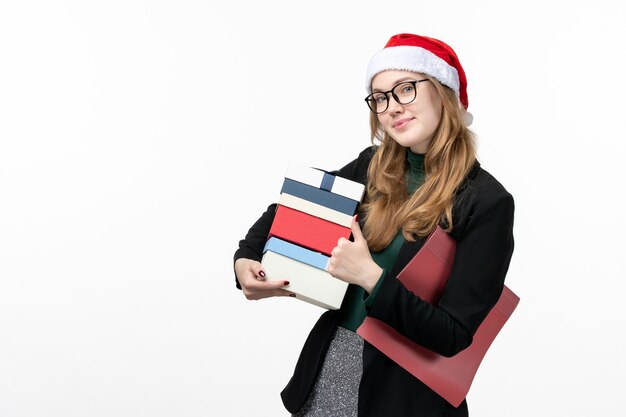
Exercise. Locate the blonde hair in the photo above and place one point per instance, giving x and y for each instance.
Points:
(449, 158)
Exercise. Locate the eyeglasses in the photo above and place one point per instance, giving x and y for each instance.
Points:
(403, 93)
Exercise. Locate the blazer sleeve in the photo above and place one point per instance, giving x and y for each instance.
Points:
(483, 253)
(251, 247)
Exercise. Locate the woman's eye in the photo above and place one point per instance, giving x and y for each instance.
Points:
(381, 98)
(407, 89)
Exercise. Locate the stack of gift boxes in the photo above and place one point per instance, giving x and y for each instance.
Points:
(315, 209)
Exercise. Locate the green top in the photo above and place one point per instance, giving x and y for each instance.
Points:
(352, 311)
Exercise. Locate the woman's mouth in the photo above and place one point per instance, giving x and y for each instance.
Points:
(402, 123)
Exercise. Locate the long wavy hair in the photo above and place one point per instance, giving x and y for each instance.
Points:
(449, 158)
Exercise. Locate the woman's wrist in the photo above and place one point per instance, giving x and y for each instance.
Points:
(371, 277)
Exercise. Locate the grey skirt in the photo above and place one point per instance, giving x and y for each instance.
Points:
(336, 390)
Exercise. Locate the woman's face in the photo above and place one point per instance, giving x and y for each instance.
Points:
(411, 125)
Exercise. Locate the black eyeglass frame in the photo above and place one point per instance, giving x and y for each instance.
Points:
(371, 102)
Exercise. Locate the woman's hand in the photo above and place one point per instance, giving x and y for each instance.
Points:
(351, 261)
(253, 283)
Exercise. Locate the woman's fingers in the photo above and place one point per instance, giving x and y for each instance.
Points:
(254, 284)
(265, 289)
(258, 271)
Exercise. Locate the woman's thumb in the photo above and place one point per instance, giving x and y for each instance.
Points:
(356, 229)
(257, 268)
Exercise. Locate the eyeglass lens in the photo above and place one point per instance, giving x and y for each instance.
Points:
(403, 93)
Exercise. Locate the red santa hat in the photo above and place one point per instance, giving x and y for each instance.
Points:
(408, 52)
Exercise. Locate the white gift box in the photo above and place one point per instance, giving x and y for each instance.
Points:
(284, 261)
(324, 180)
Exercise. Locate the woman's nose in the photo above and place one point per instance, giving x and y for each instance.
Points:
(394, 106)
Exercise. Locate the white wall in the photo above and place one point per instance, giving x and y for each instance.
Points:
(140, 139)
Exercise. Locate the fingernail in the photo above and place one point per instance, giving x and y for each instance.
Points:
(356, 218)
(262, 274)
(286, 282)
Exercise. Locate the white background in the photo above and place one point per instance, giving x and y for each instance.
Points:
(141, 139)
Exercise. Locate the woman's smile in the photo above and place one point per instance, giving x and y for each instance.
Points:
(402, 123)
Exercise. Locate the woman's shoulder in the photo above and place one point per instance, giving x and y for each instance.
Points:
(356, 170)
(483, 188)
(368, 152)
(481, 200)
(366, 155)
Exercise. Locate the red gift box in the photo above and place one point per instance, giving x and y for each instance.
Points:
(306, 230)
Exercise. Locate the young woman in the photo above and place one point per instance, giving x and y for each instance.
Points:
(420, 172)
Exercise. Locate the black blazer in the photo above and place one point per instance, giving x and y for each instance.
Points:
(483, 229)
